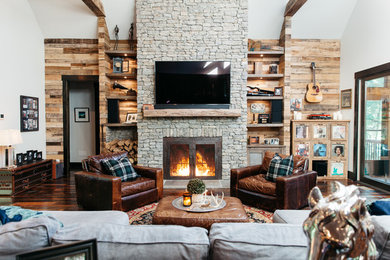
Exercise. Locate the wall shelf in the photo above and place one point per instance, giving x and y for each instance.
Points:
(265, 146)
(126, 54)
(121, 75)
(265, 76)
(264, 98)
(192, 113)
(126, 98)
(264, 125)
(265, 53)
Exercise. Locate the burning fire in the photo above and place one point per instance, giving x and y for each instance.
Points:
(202, 168)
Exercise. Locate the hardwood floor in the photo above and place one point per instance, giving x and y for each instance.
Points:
(61, 195)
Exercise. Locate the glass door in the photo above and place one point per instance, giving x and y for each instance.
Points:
(375, 130)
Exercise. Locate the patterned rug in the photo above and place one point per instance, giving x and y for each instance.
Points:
(144, 215)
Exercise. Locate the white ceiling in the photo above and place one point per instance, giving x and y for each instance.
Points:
(317, 19)
(322, 19)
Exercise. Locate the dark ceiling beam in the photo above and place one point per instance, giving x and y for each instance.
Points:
(96, 7)
(293, 6)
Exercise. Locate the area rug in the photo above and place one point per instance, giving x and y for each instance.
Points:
(144, 215)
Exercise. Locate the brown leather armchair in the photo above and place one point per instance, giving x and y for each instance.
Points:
(288, 192)
(97, 190)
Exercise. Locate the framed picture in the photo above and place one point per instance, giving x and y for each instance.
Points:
(29, 114)
(39, 156)
(338, 150)
(125, 66)
(19, 159)
(319, 131)
(30, 155)
(254, 139)
(131, 118)
(35, 155)
(320, 150)
(301, 132)
(336, 169)
(278, 91)
(346, 98)
(296, 104)
(302, 149)
(81, 114)
(86, 250)
(338, 132)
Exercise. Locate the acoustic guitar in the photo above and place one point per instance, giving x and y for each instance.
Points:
(313, 94)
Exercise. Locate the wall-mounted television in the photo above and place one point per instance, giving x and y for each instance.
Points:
(192, 84)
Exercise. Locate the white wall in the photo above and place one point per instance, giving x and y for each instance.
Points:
(364, 44)
(82, 134)
(21, 69)
(121, 13)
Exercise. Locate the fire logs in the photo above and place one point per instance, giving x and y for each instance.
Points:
(131, 147)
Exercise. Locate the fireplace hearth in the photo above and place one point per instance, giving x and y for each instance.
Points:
(192, 157)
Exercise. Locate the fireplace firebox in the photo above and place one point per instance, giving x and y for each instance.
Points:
(192, 157)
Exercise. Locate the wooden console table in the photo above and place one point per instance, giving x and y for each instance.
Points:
(22, 178)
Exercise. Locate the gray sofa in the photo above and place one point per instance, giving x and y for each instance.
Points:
(118, 240)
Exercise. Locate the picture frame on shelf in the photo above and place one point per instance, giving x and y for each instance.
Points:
(39, 156)
(86, 250)
(338, 132)
(19, 159)
(320, 150)
(296, 104)
(29, 114)
(337, 169)
(81, 114)
(301, 131)
(30, 155)
(278, 91)
(338, 150)
(346, 98)
(254, 139)
(25, 158)
(302, 149)
(35, 155)
(320, 131)
(131, 118)
(117, 65)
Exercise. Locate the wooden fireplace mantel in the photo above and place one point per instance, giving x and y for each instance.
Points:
(192, 113)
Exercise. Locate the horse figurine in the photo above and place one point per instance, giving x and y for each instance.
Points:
(339, 226)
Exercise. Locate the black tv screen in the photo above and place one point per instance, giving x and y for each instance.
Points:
(192, 84)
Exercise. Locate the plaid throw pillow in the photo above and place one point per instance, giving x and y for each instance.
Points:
(280, 167)
(121, 168)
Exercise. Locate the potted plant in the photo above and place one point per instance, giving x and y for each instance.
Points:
(198, 190)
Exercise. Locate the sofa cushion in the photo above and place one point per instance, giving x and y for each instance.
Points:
(299, 162)
(257, 241)
(258, 184)
(120, 168)
(136, 186)
(83, 217)
(140, 242)
(296, 217)
(382, 236)
(95, 162)
(379, 207)
(27, 235)
(280, 167)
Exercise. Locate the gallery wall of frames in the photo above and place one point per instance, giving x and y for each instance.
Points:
(325, 143)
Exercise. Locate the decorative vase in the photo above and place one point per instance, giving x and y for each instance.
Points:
(199, 198)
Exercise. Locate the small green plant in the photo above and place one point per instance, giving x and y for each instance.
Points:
(196, 186)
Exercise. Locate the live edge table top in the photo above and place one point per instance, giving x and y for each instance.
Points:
(167, 214)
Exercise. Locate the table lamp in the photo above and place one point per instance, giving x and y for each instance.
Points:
(8, 138)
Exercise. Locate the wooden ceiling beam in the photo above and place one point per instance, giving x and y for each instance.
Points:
(96, 7)
(293, 6)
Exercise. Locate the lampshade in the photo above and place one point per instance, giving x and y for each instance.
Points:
(10, 137)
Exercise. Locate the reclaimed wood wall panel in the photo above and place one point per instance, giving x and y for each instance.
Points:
(64, 57)
(326, 55)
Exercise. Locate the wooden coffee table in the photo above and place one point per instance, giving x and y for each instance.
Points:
(167, 214)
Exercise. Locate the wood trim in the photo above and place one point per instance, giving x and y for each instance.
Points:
(96, 7)
(373, 71)
(71, 41)
(192, 113)
(293, 6)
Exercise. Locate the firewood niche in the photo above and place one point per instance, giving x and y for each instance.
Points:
(126, 145)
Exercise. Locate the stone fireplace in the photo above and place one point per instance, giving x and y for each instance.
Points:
(192, 157)
(192, 30)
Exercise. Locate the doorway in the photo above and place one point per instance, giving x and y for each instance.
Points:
(81, 120)
(374, 126)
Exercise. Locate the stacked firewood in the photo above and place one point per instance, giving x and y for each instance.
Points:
(131, 147)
